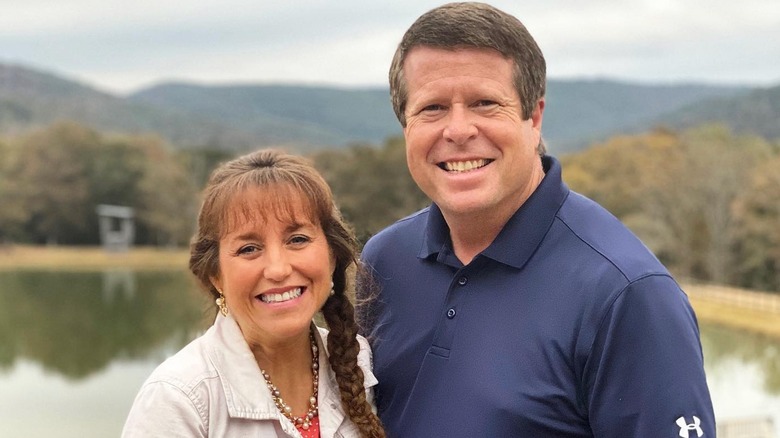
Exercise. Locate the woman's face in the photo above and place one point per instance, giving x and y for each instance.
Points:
(275, 269)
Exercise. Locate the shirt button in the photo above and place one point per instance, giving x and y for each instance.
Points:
(462, 281)
(451, 313)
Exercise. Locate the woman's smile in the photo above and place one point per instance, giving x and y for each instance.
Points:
(280, 297)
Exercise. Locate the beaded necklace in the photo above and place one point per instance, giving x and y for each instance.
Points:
(305, 421)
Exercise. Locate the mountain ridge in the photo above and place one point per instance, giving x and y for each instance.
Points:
(243, 116)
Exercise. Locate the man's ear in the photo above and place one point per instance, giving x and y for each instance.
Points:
(537, 115)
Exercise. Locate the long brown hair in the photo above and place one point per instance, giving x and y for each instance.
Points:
(284, 175)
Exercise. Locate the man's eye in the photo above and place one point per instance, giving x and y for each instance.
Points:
(434, 107)
(485, 102)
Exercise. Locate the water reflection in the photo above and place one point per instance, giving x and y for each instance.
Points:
(743, 372)
(722, 344)
(75, 348)
(76, 323)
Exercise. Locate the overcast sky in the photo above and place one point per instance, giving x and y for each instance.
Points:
(121, 46)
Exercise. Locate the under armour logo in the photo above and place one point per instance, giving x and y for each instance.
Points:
(685, 427)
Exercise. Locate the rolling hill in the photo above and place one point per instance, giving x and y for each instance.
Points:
(756, 112)
(241, 117)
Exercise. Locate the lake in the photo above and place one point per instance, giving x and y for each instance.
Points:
(76, 346)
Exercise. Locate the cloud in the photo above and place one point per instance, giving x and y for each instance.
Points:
(120, 45)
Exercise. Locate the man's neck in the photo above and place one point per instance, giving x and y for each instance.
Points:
(472, 234)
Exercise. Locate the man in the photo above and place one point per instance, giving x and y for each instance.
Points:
(512, 306)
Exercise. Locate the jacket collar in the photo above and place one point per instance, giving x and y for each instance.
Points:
(246, 392)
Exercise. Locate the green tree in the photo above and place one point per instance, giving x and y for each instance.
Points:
(167, 198)
(12, 213)
(53, 181)
(51, 172)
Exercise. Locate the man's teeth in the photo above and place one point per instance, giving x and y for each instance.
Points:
(464, 166)
(278, 298)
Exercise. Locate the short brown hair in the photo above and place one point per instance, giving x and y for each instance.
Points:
(473, 25)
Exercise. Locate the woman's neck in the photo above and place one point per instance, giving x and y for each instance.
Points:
(289, 367)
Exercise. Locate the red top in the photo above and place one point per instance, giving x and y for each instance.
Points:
(314, 428)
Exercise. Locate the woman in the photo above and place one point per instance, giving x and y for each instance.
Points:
(272, 249)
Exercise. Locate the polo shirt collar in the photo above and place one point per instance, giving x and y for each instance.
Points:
(522, 234)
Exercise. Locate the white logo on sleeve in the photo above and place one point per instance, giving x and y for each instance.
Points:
(685, 427)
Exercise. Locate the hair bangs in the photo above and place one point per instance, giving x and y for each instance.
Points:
(283, 202)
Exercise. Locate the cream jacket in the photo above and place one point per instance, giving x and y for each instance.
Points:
(213, 388)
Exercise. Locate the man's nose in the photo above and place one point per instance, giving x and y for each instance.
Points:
(460, 126)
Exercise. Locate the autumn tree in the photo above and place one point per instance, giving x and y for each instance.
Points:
(757, 229)
(717, 169)
(675, 190)
(372, 185)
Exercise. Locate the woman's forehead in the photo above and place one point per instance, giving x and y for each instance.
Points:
(258, 206)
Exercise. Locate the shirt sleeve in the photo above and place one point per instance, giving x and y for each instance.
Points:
(163, 410)
(645, 375)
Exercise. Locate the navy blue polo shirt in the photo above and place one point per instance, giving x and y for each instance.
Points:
(565, 326)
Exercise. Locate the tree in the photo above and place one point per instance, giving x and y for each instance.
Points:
(717, 169)
(51, 172)
(674, 190)
(12, 213)
(757, 229)
(372, 185)
(167, 197)
(53, 181)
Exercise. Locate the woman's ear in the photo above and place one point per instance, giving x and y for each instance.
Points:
(217, 283)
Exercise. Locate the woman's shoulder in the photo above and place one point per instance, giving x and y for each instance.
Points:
(186, 368)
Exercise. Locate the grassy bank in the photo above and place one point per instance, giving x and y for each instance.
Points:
(765, 323)
(90, 258)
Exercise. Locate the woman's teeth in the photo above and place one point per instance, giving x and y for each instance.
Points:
(278, 298)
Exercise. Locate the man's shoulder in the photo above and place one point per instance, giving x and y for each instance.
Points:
(594, 226)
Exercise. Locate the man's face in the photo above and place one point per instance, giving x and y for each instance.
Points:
(467, 145)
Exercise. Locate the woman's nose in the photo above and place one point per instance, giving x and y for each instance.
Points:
(277, 265)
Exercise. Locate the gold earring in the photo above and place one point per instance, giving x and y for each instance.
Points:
(221, 304)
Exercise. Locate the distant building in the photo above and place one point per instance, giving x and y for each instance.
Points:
(117, 227)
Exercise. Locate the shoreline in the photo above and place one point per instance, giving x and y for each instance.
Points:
(76, 258)
(30, 257)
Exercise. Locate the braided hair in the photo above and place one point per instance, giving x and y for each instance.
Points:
(286, 175)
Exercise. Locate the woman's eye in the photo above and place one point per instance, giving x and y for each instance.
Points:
(299, 239)
(249, 249)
